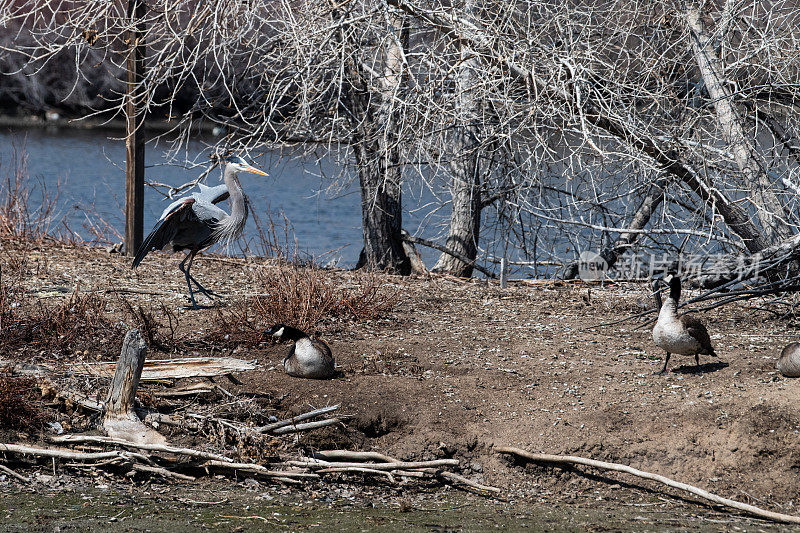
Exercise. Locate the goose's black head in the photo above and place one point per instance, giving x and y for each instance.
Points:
(675, 288)
(282, 331)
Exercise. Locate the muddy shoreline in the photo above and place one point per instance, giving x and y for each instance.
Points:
(457, 367)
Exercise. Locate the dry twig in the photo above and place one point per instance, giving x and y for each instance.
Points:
(571, 459)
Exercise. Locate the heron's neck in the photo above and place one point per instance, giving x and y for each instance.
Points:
(238, 201)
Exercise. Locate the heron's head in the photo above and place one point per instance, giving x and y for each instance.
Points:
(237, 164)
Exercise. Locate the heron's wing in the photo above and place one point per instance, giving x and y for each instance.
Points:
(166, 227)
(214, 194)
(211, 195)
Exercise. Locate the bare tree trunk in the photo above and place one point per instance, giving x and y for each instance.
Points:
(641, 217)
(377, 155)
(381, 211)
(771, 212)
(120, 419)
(465, 188)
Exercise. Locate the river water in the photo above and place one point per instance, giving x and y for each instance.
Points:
(86, 167)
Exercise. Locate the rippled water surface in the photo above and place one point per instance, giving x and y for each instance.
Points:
(87, 170)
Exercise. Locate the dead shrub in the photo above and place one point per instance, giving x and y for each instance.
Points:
(158, 335)
(17, 218)
(20, 405)
(304, 298)
(75, 322)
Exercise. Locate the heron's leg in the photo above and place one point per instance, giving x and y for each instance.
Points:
(697, 360)
(210, 294)
(663, 370)
(188, 277)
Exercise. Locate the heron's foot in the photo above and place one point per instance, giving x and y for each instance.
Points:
(194, 303)
(660, 372)
(209, 293)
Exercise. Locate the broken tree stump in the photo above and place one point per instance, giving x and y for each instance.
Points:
(120, 421)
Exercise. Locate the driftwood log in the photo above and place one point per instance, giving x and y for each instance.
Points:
(120, 421)
(571, 459)
(190, 367)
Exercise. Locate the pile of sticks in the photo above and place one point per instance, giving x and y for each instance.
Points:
(123, 457)
(129, 447)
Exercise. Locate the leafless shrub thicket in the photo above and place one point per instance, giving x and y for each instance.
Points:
(544, 128)
(20, 402)
(303, 297)
(31, 323)
(20, 216)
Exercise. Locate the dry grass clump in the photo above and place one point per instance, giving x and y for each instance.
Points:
(17, 218)
(304, 298)
(31, 323)
(20, 405)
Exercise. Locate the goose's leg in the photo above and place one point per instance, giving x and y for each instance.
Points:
(697, 360)
(666, 360)
(210, 294)
(188, 277)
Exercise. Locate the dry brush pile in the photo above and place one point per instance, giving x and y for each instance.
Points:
(58, 374)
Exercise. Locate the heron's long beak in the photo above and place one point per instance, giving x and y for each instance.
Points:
(254, 170)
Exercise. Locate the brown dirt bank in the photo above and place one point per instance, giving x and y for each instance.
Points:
(460, 366)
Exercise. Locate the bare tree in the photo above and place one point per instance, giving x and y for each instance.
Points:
(547, 128)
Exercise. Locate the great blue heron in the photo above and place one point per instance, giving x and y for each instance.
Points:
(193, 223)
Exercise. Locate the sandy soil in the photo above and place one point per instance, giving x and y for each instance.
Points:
(461, 366)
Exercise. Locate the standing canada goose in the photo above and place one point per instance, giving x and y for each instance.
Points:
(680, 334)
(308, 357)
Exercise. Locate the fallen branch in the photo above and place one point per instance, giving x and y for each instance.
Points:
(404, 465)
(468, 482)
(302, 427)
(69, 454)
(189, 390)
(448, 251)
(258, 469)
(337, 455)
(570, 459)
(161, 472)
(299, 418)
(67, 394)
(190, 367)
(189, 452)
(10, 472)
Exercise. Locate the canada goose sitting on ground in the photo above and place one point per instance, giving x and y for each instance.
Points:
(308, 357)
(789, 363)
(680, 334)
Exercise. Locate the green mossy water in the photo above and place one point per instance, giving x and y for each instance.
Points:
(198, 510)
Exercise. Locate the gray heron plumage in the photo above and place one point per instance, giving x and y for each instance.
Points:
(195, 222)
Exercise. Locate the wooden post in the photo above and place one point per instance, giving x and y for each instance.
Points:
(134, 139)
(120, 419)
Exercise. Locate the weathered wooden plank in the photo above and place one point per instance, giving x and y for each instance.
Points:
(172, 368)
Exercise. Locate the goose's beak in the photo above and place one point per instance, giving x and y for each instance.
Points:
(254, 170)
